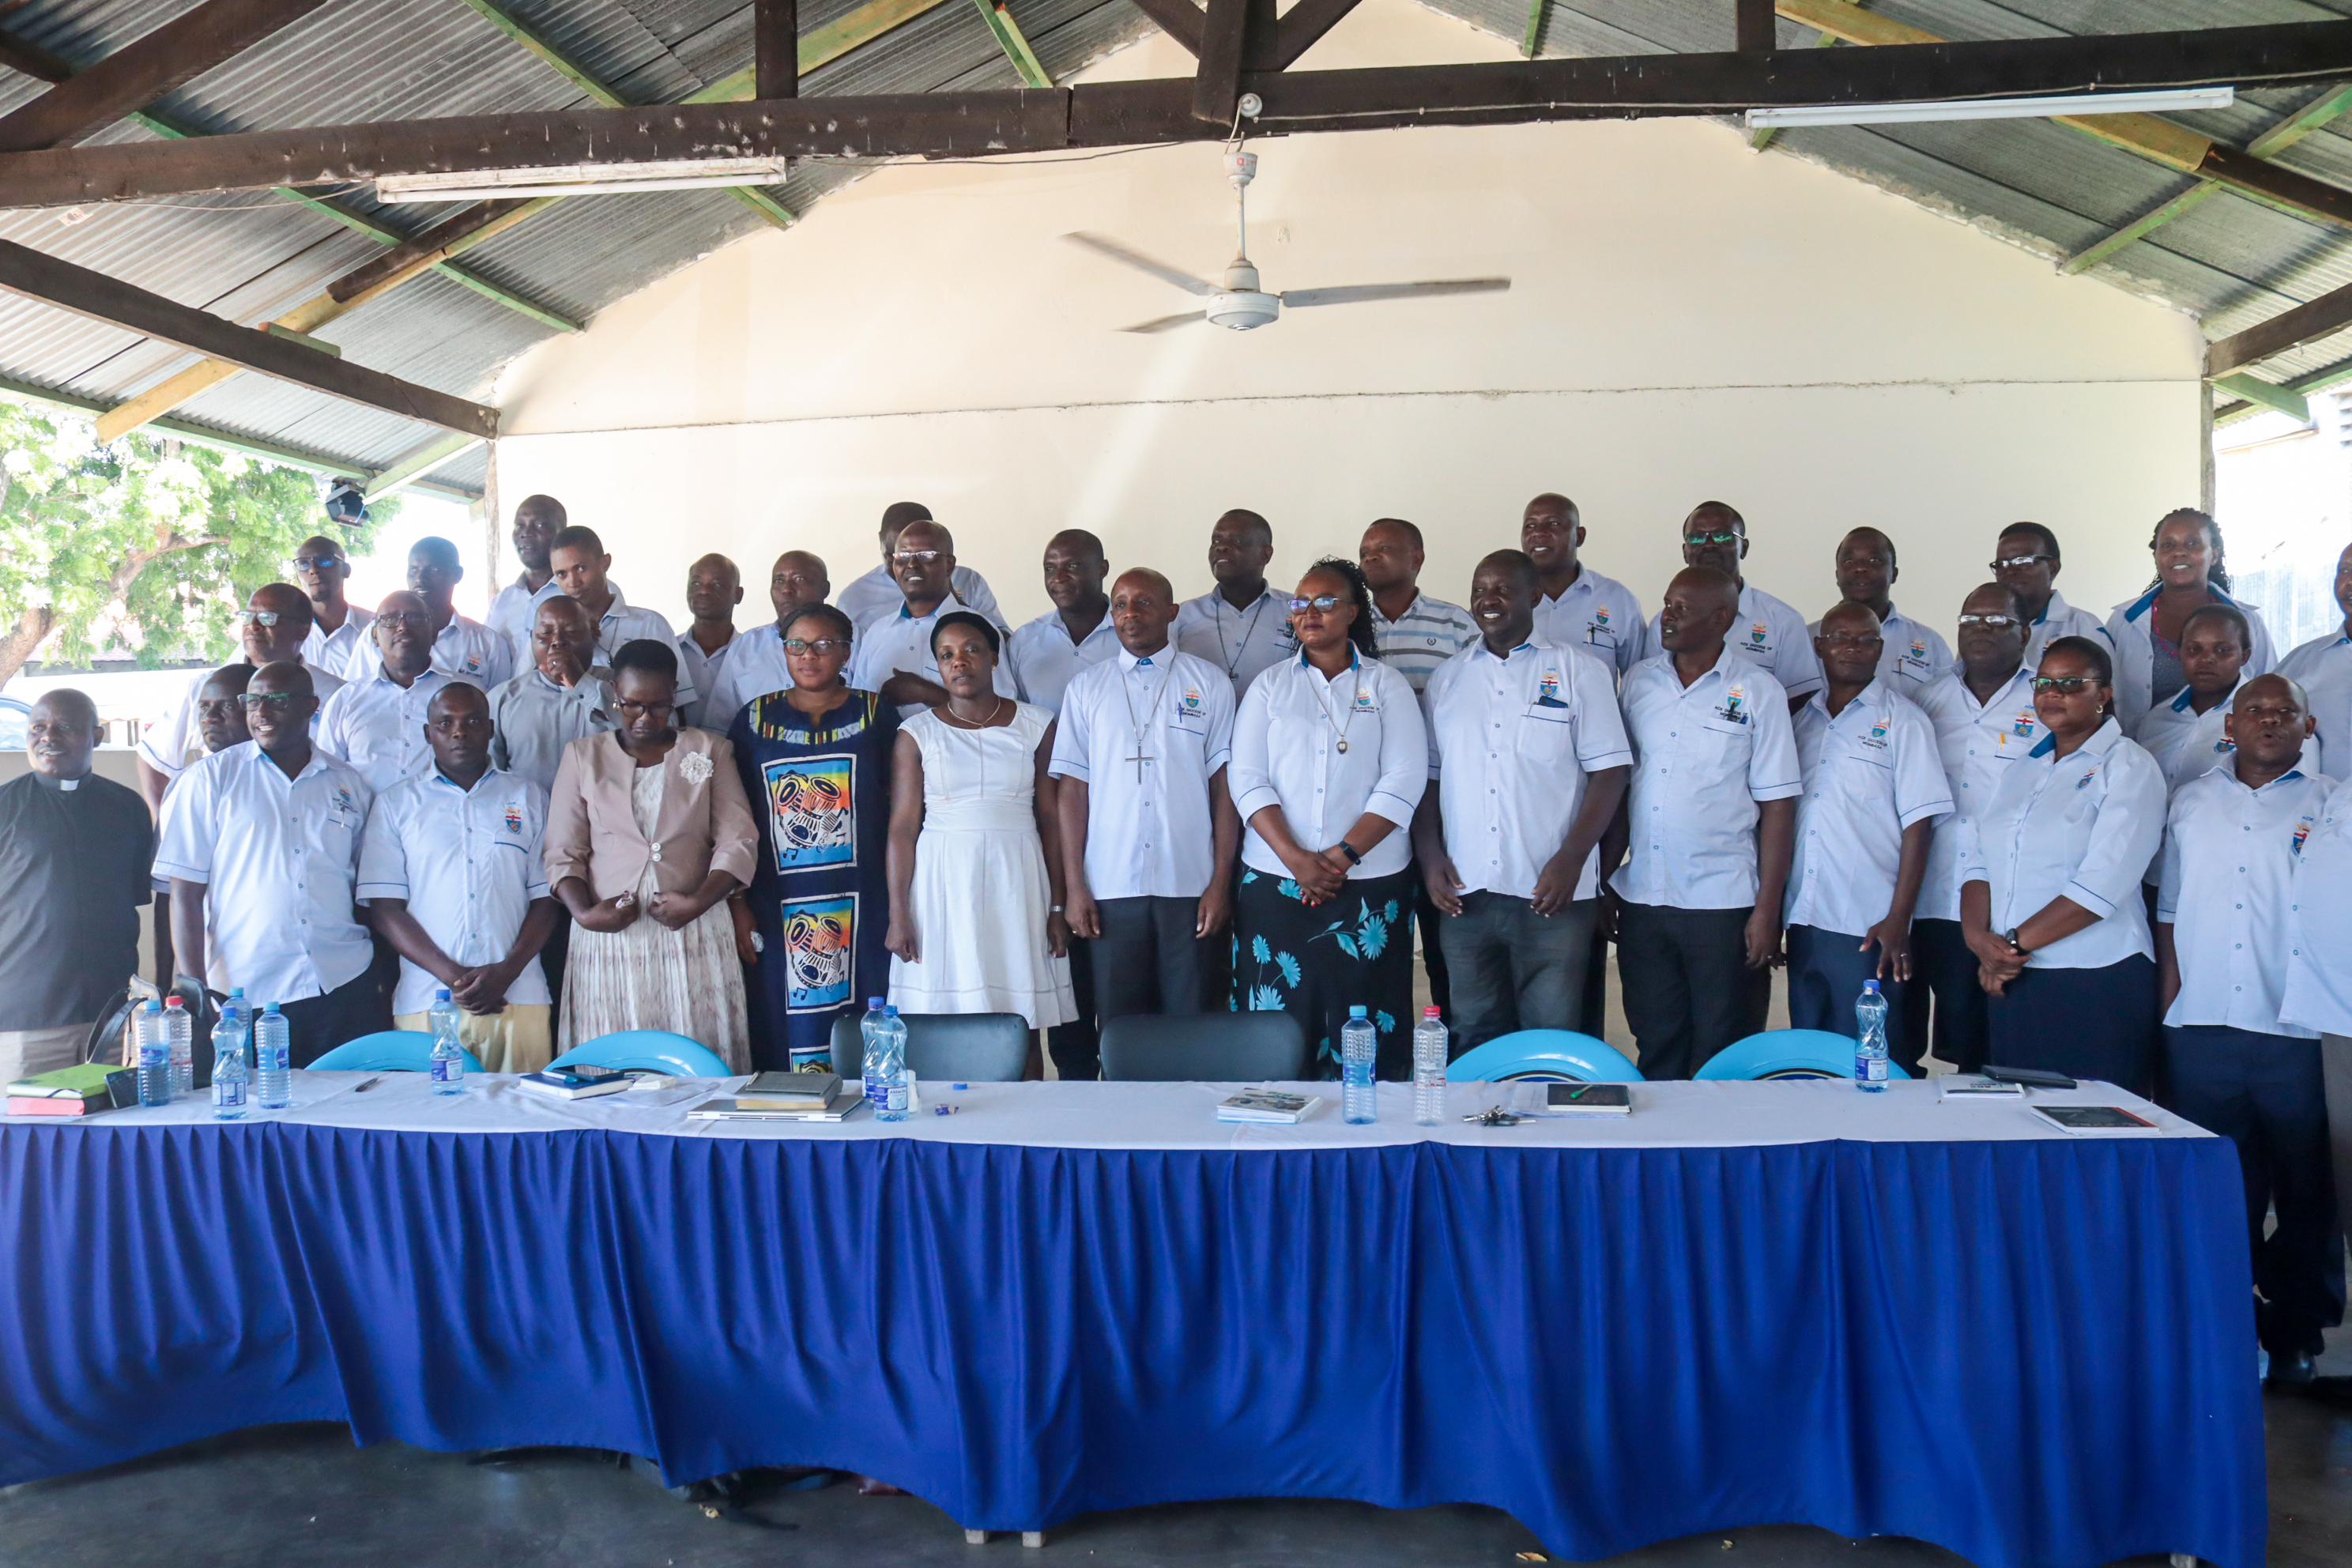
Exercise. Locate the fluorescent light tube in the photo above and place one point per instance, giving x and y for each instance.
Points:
(1994, 108)
(582, 179)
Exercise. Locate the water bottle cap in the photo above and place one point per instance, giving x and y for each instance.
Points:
(1870, 986)
(153, 1006)
(891, 1011)
(1355, 1011)
(1430, 1012)
(872, 1001)
(442, 994)
(236, 990)
(171, 1004)
(272, 1008)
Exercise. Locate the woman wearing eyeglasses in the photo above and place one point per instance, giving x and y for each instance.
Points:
(815, 764)
(647, 832)
(1329, 759)
(2147, 631)
(2050, 884)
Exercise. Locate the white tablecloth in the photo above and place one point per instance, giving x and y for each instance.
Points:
(1183, 1115)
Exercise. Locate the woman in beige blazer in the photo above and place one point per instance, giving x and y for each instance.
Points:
(647, 834)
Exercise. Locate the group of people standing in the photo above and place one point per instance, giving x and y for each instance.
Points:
(2079, 845)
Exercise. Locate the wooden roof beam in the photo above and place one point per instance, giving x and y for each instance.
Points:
(2306, 322)
(143, 70)
(39, 276)
(977, 123)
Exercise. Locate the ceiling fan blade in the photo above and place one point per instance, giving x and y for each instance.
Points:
(1142, 263)
(1358, 293)
(1164, 322)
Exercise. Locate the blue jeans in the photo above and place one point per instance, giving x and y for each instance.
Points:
(1511, 968)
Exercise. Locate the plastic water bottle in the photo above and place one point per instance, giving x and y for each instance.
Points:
(1430, 1039)
(449, 1055)
(1869, 1039)
(180, 1037)
(891, 1036)
(273, 1058)
(1358, 1046)
(869, 1035)
(232, 1071)
(155, 1056)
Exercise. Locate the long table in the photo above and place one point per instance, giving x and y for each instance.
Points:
(1744, 1304)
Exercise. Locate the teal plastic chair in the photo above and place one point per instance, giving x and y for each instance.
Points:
(1788, 1053)
(388, 1050)
(1543, 1053)
(944, 1047)
(646, 1050)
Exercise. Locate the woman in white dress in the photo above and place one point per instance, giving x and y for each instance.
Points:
(975, 857)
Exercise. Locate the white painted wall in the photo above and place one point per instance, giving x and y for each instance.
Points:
(1688, 319)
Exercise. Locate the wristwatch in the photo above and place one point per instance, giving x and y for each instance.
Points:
(1350, 851)
(2010, 937)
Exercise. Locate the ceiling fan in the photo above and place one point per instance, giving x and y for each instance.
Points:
(1239, 302)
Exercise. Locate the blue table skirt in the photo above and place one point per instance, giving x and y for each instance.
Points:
(1616, 1346)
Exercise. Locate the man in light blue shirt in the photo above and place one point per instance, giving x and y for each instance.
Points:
(1707, 833)
(2323, 666)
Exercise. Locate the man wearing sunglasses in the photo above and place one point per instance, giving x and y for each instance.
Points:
(1764, 629)
(273, 626)
(339, 628)
(262, 848)
(2025, 561)
(876, 593)
(1985, 723)
(754, 663)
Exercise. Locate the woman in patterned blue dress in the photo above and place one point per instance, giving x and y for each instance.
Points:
(815, 759)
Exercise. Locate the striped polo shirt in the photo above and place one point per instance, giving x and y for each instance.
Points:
(1430, 632)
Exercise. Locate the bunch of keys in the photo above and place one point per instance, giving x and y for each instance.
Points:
(1495, 1115)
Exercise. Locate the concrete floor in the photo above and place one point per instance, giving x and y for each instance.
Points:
(303, 1495)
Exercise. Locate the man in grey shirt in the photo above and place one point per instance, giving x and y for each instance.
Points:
(563, 697)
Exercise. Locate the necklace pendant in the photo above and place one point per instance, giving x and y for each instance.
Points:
(1343, 744)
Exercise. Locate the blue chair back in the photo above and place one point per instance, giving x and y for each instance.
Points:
(1204, 1047)
(646, 1050)
(944, 1047)
(387, 1050)
(1787, 1053)
(1543, 1053)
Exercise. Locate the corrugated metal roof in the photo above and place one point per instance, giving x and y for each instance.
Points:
(251, 255)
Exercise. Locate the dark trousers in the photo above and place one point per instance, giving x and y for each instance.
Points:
(1148, 960)
(1077, 1045)
(1432, 947)
(2085, 1023)
(317, 1024)
(1514, 969)
(1826, 972)
(1688, 990)
(1944, 970)
(550, 964)
(2266, 1094)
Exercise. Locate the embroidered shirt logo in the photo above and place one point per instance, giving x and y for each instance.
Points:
(1192, 700)
(1363, 699)
(1758, 632)
(2302, 832)
(1735, 705)
(1548, 686)
(2023, 728)
(2089, 774)
(514, 818)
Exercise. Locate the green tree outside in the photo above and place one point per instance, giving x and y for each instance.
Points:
(148, 546)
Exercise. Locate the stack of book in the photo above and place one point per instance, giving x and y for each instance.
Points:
(576, 1082)
(69, 1091)
(1276, 1105)
(783, 1096)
